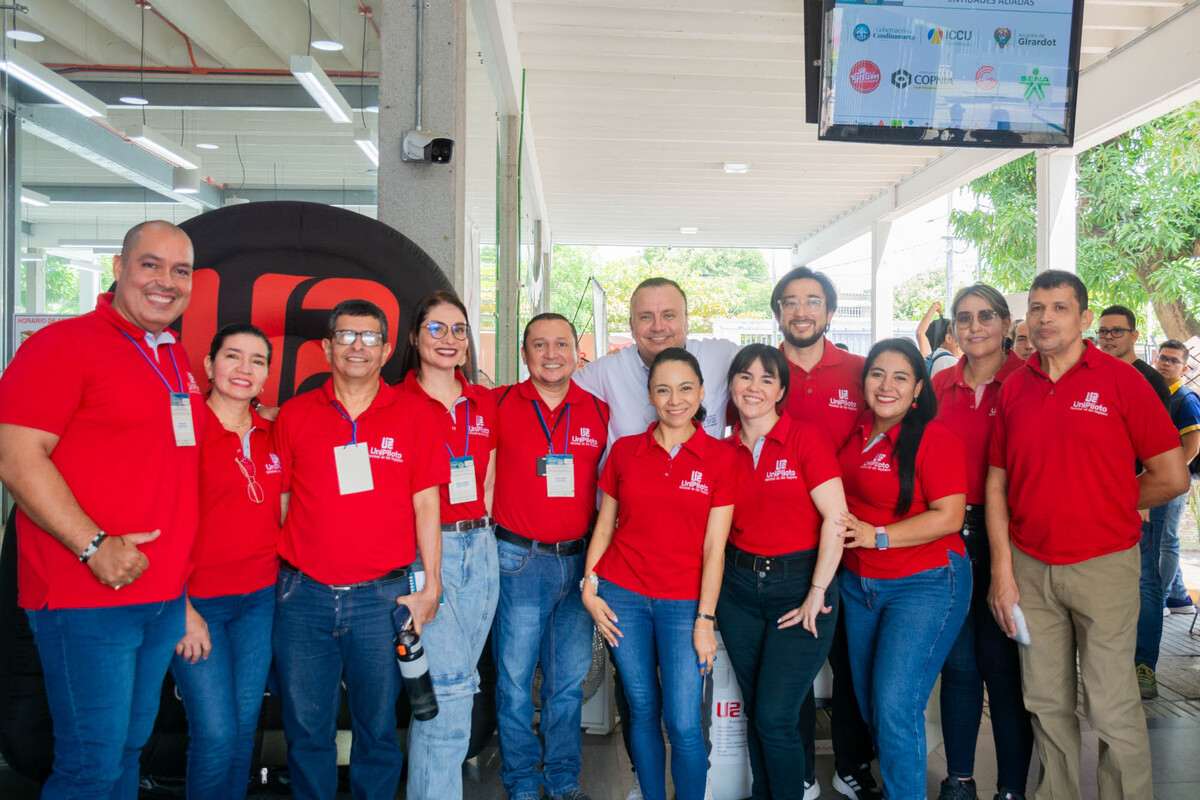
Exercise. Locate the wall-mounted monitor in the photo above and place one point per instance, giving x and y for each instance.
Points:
(975, 73)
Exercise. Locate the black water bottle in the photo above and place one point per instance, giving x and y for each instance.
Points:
(414, 667)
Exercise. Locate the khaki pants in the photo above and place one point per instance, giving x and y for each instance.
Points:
(1090, 607)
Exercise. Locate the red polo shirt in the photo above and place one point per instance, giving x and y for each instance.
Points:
(1067, 446)
(662, 511)
(467, 429)
(830, 396)
(579, 428)
(873, 485)
(339, 539)
(773, 512)
(238, 540)
(971, 413)
(85, 382)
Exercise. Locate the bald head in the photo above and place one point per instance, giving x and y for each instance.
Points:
(129, 244)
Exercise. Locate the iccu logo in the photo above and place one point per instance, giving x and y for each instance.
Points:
(865, 76)
(862, 32)
(1002, 36)
(949, 35)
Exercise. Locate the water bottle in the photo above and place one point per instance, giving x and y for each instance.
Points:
(414, 666)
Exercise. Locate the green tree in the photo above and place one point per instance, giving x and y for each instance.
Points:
(914, 296)
(1138, 221)
(62, 287)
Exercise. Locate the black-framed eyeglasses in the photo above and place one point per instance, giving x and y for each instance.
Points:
(347, 337)
(438, 330)
(1112, 333)
(1172, 360)
(254, 489)
(986, 316)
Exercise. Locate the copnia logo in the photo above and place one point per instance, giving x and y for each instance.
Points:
(865, 76)
(862, 32)
(960, 36)
(902, 78)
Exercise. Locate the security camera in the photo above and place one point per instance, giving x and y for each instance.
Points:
(427, 146)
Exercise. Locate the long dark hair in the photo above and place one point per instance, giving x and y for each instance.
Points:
(412, 356)
(912, 427)
(679, 354)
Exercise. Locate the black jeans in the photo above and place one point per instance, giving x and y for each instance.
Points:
(981, 655)
(774, 668)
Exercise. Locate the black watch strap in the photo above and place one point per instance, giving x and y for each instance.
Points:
(702, 615)
(92, 547)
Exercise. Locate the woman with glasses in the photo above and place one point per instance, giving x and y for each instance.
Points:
(438, 352)
(967, 396)
(221, 664)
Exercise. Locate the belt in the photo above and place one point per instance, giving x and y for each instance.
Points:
(569, 548)
(783, 565)
(396, 574)
(974, 521)
(462, 526)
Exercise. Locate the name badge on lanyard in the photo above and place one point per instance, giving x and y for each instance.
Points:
(557, 468)
(463, 488)
(180, 402)
(352, 461)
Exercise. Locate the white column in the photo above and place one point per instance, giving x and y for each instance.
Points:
(89, 285)
(508, 256)
(35, 286)
(881, 283)
(1056, 219)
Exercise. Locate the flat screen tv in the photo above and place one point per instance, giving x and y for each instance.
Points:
(950, 73)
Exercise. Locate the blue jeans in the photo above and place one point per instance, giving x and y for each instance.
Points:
(1150, 589)
(900, 631)
(1174, 590)
(453, 643)
(104, 670)
(663, 684)
(223, 693)
(322, 637)
(540, 619)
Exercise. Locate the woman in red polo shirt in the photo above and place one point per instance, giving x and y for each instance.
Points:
(439, 348)
(908, 585)
(221, 663)
(967, 396)
(653, 572)
(779, 596)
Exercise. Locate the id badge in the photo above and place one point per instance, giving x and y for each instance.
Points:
(181, 420)
(560, 476)
(353, 462)
(462, 480)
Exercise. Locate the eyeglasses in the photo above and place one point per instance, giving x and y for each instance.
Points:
(1172, 360)
(254, 489)
(793, 304)
(348, 337)
(986, 316)
(438, 329)
(1113, 333)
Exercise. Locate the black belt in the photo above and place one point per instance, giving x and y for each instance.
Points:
(462, 526)
(395, 575)
(974, 521)
(568, 548)
(782, 565)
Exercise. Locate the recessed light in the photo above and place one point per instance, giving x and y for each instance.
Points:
(328, 45)
(25, 36)
(736, 167)
(207, 146)
(688, 230)
(133, 100)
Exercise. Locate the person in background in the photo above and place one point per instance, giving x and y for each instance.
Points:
(982, 653)
(439, 350)
(1022, 344)
(935, 340)
(222, 661)
(1073, 564)
(907, 585)
(99, 420)
(1172, 364)
(653, 572)
(551, 437)
(779, 596)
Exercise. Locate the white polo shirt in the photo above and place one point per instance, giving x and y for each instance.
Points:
(620, 379)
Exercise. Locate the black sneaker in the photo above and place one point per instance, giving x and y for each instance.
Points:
(857, 784)
(954, 789)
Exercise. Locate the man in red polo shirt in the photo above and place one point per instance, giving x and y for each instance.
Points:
(552, 435)
(361, 468)
(1059, 488)
(99, 419)
(826, 390)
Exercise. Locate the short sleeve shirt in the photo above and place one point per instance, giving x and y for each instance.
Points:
(662, 512)
(94, 382)
(1067, 445)
(1185, 409)
(830, 396)
(872, 484)
(773, 511)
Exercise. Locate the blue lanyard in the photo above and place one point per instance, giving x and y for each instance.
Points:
(549, 432)
(466, 432)
(353, 423)
(154, 366)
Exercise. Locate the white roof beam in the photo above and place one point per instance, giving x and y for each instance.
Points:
(283, 27)
(216, 28)
(124, 19)
(341, 22)
(80, 32)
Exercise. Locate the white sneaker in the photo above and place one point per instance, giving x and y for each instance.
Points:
(636, 792)
(812, 791)
(1166, 611)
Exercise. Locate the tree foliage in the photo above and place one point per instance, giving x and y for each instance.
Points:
(1138, 221)
(914, 296)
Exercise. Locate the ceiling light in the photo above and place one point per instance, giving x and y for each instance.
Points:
(328, 45)
(151, 140)
(736, 167)
(31, 198)
(51, 84)
(688, 230)
(134, 100)
(366, 142)
(32, 37)
(185, 181)
(207, 146)
(317, 83)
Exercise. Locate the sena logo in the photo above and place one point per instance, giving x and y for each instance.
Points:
(1091, 404)
(878, 463)
(695, 483)
(274, 466)
(584, 439)
(386, 451)
(865, 76)
(781, 472)
(843, 401)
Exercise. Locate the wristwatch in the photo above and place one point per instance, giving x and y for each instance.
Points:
(593, 579)
(92, 547)
(881, 538)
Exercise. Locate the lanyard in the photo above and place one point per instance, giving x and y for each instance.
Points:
(353, 423)
(154, 366)
(549, 433)
(466, 432)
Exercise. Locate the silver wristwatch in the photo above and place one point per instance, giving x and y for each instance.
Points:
(593, 579)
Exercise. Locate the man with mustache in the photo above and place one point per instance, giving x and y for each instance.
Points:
(99, 419)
